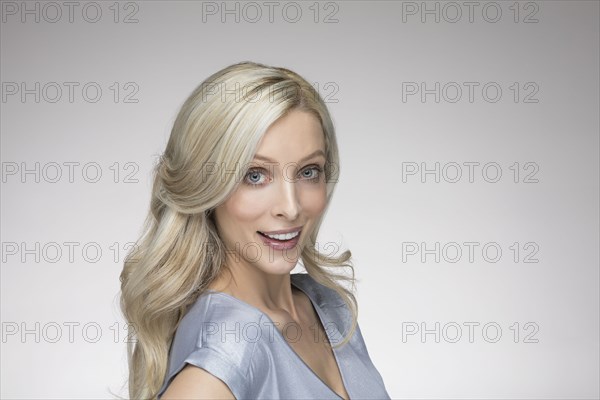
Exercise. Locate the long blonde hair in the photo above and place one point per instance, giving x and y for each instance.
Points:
(180, 253)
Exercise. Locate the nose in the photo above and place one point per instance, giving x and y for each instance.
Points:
(287, 204)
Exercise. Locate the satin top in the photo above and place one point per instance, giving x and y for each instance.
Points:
(240, 345)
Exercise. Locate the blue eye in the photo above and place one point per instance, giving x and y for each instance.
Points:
(253, 177)
(256, 176)
(315, 173)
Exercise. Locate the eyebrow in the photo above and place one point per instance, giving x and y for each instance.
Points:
(311, 155)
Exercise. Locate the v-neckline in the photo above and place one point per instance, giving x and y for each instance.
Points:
(317, 308)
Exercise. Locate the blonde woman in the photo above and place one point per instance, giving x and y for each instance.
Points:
(238, 198)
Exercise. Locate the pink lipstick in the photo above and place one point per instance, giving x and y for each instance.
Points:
(286, 239)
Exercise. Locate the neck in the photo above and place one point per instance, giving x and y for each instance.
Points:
(271, 293)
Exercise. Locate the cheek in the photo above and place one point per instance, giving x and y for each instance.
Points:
(244, 206)
(314, 199)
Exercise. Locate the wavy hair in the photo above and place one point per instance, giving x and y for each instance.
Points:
(179, 253)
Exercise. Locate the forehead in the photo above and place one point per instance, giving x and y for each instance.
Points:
(292, 137)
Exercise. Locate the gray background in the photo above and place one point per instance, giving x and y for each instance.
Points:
(363, 64)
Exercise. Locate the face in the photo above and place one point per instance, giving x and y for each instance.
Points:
(284, 189)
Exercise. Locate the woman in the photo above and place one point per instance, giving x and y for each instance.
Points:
(238, 198)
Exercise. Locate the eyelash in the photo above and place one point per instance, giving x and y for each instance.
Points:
(260, 170)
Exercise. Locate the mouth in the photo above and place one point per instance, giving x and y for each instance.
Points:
(281, 237)
(281, 240)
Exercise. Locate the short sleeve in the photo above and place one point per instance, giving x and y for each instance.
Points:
(207, 337)
(216, 364)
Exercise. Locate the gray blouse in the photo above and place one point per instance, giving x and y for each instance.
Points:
(240, 345)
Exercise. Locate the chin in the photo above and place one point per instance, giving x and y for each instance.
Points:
(278, 267)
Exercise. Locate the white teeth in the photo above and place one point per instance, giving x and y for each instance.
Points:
(283, 236)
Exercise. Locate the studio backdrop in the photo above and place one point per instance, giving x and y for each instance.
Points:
(468, 193)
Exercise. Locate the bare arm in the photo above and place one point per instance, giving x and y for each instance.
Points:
(196, 383)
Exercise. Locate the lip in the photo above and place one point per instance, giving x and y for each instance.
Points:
(290, 230)
(279, 245)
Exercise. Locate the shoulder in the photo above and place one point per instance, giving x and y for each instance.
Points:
(214, 322)
(211, 336)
